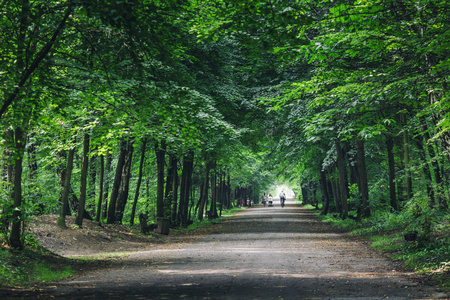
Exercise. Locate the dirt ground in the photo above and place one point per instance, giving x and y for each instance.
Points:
(260, 253)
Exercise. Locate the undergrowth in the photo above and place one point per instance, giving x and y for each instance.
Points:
(29, 266)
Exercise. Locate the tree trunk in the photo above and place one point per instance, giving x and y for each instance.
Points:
(66, 190)
(175, 190)
(440, 193)
(326, 197)
(168, 193)
(391, 163)
(15, 239)
(106, 185)
(212, 207)
(419, 140)
(363, 184)
(100, 188)
(160, 151)
(124, 184)
(335, 189)
(186, 182)
(408, 179)
(139, 181)
(116, 185)
(83, 181)
(204, 192)
(343, 181)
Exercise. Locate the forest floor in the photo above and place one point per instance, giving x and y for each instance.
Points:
(259, 253)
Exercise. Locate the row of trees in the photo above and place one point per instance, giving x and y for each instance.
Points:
(360, 107)
(346, 99)
(106, 101)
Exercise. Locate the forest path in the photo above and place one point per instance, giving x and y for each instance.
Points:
(260, 253)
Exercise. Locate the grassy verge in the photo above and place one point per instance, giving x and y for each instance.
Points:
(30, 266)
(420, 241)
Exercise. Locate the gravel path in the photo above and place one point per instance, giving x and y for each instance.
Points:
(260, 253)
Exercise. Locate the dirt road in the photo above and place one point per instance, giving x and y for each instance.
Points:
(260, 253)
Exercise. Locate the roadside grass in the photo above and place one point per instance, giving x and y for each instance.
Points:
(420, 239)
(30, 266)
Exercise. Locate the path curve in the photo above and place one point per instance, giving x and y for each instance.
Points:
(260, 253)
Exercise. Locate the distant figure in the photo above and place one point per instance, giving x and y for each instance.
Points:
(264, 199)
(248, 201)
(282, 198)
(270, 200)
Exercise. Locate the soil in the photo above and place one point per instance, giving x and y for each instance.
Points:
(259, 253)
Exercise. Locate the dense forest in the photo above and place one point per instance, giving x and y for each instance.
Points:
(178, 109)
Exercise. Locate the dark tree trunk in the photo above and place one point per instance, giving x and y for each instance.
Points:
(160, 151)
(391, 163)
(326, 197)
(186, 182)
(204, 192)
(168, 194)
(66, 191)
(116, 185)
(175, 190)
(335, 189)
(106, 184)
(426, 170)
(100, 188)
(15, 239)
(212, 207)
(83, 181)
(408, 178)
(440, 193)
(343, 181)
(363, 184)
(124, 184)
(139, 181)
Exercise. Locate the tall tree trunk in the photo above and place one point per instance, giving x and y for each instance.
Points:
(100, 188)
(160, 150)
(116, 185)
(106, 184)
(335, 188)
(90, 192)
(186, 183)
(204, 192)
(8, 180)
(124, 184)
(419, 140)
(66, 190)
(440, 193)
(363, 184)
(391, 164)
(343, 181)
(175, 190)
(408, 178)
(168, 193)
(326, 196)
(212, 207)
(15, 239)
(83, 181)
(139, 181)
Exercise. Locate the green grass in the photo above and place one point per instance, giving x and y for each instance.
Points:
(30, 266)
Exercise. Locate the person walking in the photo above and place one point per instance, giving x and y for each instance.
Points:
(264, 199)
(282, 198)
